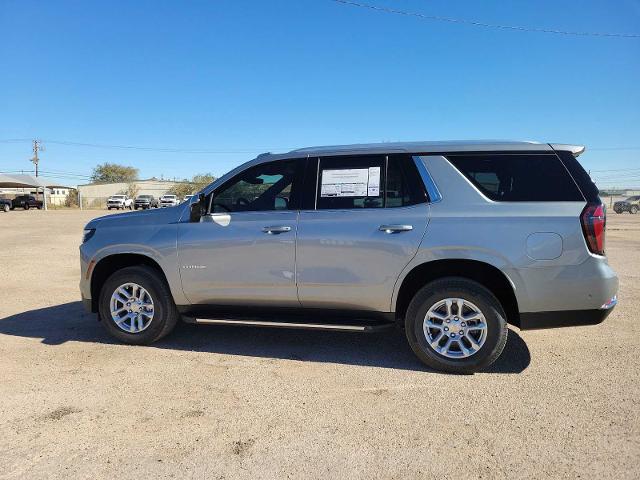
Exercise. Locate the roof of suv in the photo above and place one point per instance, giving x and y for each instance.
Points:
(428, 147)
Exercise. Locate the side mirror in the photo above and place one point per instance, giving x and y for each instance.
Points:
(198, 209)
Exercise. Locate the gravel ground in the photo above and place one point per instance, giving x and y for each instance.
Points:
(224, 402)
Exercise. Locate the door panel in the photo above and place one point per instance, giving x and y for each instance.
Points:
(234, 259)
(344, 259)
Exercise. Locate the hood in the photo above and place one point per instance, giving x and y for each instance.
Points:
(144, 217)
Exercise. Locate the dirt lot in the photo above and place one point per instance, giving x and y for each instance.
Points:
(224, 402)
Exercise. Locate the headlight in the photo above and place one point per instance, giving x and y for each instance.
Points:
(87, 234)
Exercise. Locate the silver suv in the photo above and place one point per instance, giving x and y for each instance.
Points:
(451, 241)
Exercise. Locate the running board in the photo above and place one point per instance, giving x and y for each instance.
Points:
(358, 327)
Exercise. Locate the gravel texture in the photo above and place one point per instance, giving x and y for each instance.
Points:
(224, 402)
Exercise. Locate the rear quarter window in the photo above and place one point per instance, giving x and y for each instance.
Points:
(519, 177)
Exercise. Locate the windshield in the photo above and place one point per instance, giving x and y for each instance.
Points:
(144, 197)
(117, 196)
(632, 199)
(169, 197)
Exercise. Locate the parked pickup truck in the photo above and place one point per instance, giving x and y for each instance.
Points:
(145, 201)
(168, 201)
(26, 202)
(449, 241)
(119, 202)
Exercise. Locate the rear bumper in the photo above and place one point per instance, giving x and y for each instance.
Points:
(566, 318)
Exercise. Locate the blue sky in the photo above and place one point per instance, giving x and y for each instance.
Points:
(239, 77)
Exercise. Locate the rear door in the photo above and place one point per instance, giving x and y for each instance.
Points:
(368, 217)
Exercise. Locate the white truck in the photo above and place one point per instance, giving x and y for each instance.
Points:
(119, 202)
(168, 201)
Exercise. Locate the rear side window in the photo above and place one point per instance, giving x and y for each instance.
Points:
(519, 177)
(368, 181)
(582, 178)
(404, 186)
(347, 182)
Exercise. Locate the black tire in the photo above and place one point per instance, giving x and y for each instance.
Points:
(26, 206)
(5, 208)
(165, 315)
(633, 210)
(456, 287)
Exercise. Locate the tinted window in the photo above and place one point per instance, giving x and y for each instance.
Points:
(519, 177)
(404, 186)
(351, 182)
(582, 178)
(269, 186)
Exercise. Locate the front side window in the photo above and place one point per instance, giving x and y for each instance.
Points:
(519, 177)
(268, 186)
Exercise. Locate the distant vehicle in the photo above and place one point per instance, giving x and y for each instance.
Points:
(631, 205)
(26, 202)
(168, 201)
(145, 201)
(449, 241)
(187, 197)
(119, 202)
(5, 204)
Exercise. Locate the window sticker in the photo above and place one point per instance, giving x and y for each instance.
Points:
(373, 184)
(352, 182)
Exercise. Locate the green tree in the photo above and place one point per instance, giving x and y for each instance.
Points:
(189, 187)
(113, 173)
(72, 198)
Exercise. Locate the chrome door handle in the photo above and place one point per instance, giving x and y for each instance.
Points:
(395, 228)
(276, 229)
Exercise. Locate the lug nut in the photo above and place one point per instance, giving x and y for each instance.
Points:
(448, 321)
(446, 329)
(453, 334)
(463, 324)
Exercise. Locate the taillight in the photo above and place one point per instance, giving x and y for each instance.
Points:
(594, 220)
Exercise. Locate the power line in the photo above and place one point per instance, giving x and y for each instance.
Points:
(137, 147)
(200, 150)
(483, 24)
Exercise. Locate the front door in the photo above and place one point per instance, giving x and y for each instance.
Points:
(370, 215)
(242, 252)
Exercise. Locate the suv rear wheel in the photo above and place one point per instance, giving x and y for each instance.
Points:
(633, 209)
(456, 325)
(136, 307)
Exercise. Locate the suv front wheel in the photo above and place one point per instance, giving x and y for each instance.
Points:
(456, 325)
(136, 307)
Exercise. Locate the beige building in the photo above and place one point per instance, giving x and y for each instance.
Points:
(94, 195)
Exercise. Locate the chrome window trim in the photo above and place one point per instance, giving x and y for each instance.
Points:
(432, 189)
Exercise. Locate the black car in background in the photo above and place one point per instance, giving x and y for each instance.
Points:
(631, 205)
(26, 202)
(145, 201)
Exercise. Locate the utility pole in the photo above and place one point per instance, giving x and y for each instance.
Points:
(37, 147)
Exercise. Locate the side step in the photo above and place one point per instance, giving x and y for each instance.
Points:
(354, 325)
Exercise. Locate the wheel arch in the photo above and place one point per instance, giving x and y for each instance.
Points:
(108, 265)
(484, 273)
